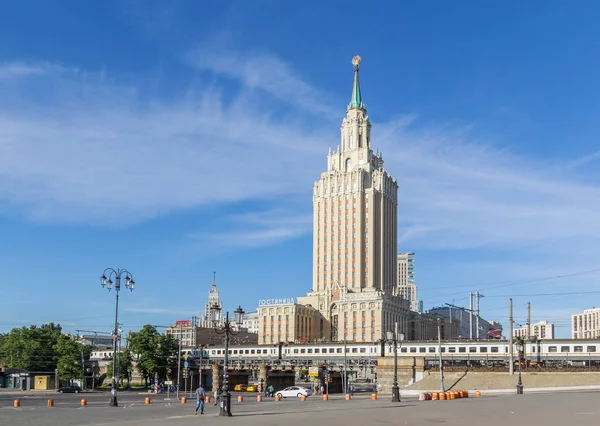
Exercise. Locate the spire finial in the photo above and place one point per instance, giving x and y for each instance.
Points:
(214, 283)
(356, 101)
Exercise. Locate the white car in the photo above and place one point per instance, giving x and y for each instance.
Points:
(296, 391)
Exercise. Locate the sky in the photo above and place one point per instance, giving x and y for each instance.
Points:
(175, 139)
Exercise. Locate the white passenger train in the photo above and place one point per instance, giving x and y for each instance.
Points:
(457, 350)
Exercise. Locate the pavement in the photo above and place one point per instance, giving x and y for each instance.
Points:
(572, 408)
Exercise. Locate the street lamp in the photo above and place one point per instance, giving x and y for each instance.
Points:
(393, 338)
(226, 328)
(520, 349)
(107, 282)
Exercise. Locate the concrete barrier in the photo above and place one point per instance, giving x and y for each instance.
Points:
(477, 393)
(348, 397)
(207, 400)
(374, 396)
(183, 400)
(50, 403)
(325, 397)
(277, 398)
(302, 398)
(435, 396)
(83, 402)
(16, 403)
(442, 396)
(148, 401)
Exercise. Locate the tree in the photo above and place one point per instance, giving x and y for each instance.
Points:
(31, 348)
(156, 353)
(125, 366)
(69, 357)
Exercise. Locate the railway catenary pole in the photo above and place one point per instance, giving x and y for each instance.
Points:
(477, 296)
(440, 354)
(470, 316)
(511, 367)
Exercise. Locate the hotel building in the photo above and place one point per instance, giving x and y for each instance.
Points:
(355, 204)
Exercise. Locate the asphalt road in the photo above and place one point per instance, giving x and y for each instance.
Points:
(555, 409)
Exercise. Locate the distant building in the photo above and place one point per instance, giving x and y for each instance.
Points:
(289, 322)
(406, 280)
(540, 330)
(97, 341)
(481, 329)
(193, 336)
(250, 322)
(586, 325)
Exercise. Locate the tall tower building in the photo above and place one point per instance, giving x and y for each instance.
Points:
(355, 205)
(355, 210)
(213, 300)
(406, 280)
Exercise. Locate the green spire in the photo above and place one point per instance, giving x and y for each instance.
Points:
(356, 101)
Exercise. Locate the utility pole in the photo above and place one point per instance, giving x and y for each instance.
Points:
(179, 357)
(511, 368)
(528, 320)
(83, 386)
(440, 355)
(477, 314)
(470, 316)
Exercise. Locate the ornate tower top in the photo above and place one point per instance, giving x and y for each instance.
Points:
(356, 100)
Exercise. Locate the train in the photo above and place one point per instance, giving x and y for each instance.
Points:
(473, 352)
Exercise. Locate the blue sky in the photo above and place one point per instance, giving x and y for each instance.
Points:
(179, 138)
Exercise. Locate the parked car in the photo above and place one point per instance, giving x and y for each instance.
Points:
(69, 389)
(252, 388)
(239, 388)
(296, 391)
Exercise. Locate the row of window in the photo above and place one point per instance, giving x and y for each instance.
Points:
(568, 349)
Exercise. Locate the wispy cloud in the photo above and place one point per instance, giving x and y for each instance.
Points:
(151, 157)
(12, 70)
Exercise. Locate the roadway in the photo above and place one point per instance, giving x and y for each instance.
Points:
(556, 409)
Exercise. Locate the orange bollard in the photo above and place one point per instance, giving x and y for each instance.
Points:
(50, 403)
(148, 401)
(207, 399)
(258, 398)
(17, 403)
(466, 394)
(302, 398)
(477, 393)
(442, 396)
(325, 397)
(434, 395)
(83, 402)
(348, 397)
(277, 398)
(374, 396)
(240, 398)
(452, 395)
(183, 400)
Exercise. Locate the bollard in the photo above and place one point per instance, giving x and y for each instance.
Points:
(83, 402)
(442, 395)
(452, 395)
(258, 398)
(348, 397)
(325, 397)
(374, 396)
(302, 398)
(17, 403)
(466, 394)
(434, 395)
(183, 400)
(277, 398)
(240, 398)
(207, 399)
(477, 393)
(421, 397)
(148, 401)
(50, 403)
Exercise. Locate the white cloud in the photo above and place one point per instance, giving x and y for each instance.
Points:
(97, 153)
(13, 70)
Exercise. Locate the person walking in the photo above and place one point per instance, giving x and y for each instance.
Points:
(217, 395)
(200, 397)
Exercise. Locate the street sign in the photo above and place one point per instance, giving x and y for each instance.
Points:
(313, 372)
(186, 364)
(168, 382)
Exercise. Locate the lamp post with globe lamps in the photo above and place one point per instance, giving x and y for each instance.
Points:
(107, 282)
(226, 328)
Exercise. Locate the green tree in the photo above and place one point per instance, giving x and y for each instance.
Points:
(155, 353)
(69, 357)
(125, 366)
(31, 348)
